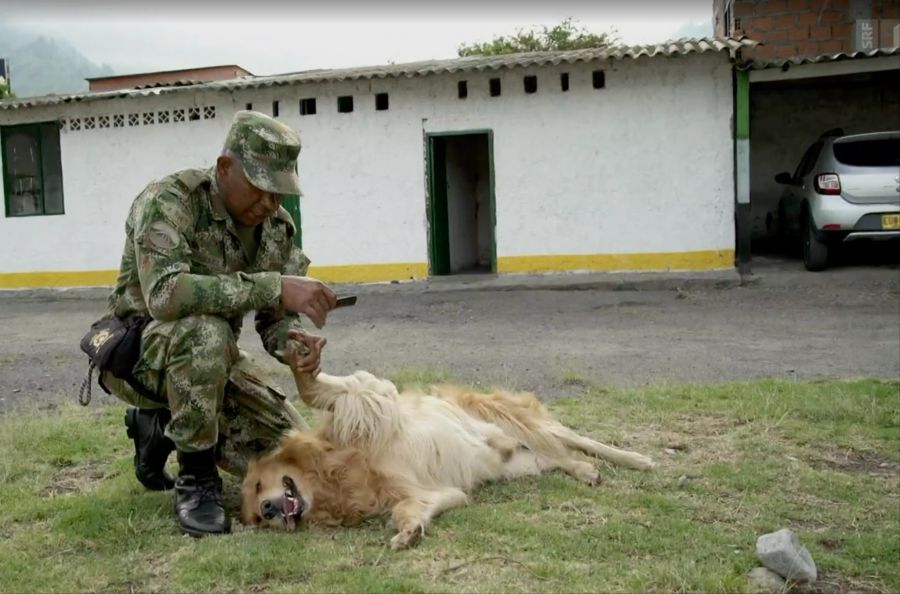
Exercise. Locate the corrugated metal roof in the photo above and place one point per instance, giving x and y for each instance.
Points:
(174, 83)
(415, 69)
(800, 60)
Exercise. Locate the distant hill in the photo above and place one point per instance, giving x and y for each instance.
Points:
(41, 65)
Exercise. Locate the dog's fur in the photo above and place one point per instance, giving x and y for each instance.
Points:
(412, 454)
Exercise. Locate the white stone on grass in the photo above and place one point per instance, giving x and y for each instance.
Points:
(782, 553)
(766, 580)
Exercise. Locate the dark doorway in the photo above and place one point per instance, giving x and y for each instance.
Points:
(461, 203)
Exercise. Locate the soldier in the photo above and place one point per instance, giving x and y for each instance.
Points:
(203, 248)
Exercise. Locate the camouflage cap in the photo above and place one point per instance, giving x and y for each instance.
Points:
(267, 150)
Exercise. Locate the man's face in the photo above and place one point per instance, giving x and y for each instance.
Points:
(247, 204)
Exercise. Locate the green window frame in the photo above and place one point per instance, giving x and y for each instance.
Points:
(32, 169)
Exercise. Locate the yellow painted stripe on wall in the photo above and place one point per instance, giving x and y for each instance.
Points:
(368, 273)
(67, 278)
(663, 261)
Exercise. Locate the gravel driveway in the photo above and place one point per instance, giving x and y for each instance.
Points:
(546, 334)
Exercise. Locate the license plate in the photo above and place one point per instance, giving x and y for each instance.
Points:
(891, 221)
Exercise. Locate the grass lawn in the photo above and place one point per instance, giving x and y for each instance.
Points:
(736, 461)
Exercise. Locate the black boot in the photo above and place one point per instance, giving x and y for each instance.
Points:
(198, 495)
(151, 446)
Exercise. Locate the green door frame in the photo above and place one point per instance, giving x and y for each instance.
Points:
(436, 199)
(291, 203)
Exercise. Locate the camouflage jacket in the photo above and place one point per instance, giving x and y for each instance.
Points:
(183, 257)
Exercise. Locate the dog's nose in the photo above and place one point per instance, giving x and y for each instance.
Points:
(268, 509)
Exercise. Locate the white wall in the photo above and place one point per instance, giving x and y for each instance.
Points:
(644, 165)
(103, 170)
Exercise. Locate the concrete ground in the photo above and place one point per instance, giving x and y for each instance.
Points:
(549, 334)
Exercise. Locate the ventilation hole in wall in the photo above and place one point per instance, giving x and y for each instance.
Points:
(381, 101)
(103, 121)
(118, 120)
(275, 109)
(149, 118)
(75, 124)
(598, 78)
(530, 84)
(134, 119)
(209, 112)
(162, 117)
(193, 114)
(564, 81)
(345, 104)
(177, 115)
(89, 123)
(249, 107)
(308, 106)
(495, 87)
(462, 89)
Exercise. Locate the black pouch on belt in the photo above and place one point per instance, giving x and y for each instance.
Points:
(114, 345)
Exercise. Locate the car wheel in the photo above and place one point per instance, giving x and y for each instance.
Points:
(815, 252)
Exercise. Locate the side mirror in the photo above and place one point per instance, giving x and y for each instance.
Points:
(784, 178)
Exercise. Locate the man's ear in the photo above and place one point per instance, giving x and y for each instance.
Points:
(223, 165)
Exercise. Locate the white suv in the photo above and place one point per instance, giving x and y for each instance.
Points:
(845, 188)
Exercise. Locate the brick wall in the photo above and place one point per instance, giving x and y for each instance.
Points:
(790, 28)
(131, 81)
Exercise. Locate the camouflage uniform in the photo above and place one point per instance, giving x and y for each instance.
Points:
(185, 265)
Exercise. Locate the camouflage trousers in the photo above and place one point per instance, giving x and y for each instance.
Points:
(217, 396)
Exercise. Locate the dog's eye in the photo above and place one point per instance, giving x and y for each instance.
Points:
(258, 487)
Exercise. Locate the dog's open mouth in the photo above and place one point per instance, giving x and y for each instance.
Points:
(292, 504)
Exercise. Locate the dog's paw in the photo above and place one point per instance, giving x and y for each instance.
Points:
(588, 473)
(408, 538)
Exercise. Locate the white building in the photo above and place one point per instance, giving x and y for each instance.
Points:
(615, 159)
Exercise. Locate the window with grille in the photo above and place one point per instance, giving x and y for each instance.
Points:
(32, 169)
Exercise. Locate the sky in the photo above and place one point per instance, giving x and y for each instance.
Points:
(268, 37)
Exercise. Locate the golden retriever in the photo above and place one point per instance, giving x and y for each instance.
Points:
(412, 454)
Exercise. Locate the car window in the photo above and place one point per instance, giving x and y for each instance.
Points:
(883, 152)
(808, 161)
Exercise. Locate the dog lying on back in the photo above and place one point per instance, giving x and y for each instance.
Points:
(411, 454)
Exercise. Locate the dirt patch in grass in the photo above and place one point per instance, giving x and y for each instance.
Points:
(81, 478)
(869, 462)
(832, 583)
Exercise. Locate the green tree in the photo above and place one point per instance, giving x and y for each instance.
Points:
(564, 36)
(5, 93)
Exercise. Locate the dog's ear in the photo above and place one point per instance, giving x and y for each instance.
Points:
(300, 450)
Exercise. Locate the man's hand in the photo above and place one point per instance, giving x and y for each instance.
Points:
(309, 296)
(310, 362)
